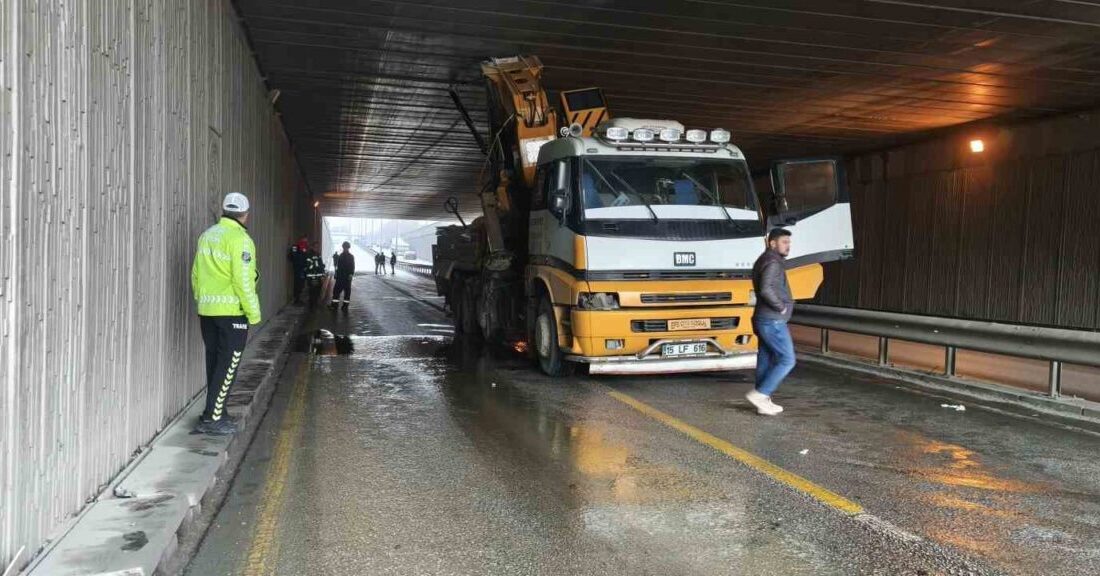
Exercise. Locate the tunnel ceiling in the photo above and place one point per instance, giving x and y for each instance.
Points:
(363, 84)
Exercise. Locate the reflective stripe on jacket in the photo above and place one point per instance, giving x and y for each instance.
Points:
(315, 265)
(224, 275)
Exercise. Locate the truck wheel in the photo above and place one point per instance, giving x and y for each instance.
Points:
(551, 358)
(455, 297)
(470, 326)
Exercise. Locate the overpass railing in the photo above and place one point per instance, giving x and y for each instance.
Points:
(418, 268)
(1053, 345)
(410, 266)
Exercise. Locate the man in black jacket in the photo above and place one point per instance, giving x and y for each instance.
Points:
(345, 269)
(774, 305)
(297, 256)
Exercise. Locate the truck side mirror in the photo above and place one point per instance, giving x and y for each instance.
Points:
(559, 195)
(558, 203)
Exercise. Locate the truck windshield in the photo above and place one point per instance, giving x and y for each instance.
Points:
(613, 182)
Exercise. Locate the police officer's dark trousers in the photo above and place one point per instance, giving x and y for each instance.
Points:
(224, 338)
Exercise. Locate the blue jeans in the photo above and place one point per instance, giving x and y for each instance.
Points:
(775, 354)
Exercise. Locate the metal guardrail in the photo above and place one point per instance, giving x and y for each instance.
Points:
(416, 268)
(1054, 345)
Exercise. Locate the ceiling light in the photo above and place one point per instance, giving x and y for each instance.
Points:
(977, 146)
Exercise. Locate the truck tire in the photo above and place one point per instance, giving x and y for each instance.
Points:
(551, 358)
(464, 308)
(489, 314)
(470, 326)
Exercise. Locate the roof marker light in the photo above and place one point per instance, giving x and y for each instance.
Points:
(670, 135)
(643, 135)
(696, 136)
(616, 133)
(719, 136)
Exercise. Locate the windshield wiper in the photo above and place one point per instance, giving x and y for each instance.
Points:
(611, 187)
(712, 195)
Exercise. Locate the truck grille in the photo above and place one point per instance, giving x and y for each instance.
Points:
(686, 298)
(662, 325)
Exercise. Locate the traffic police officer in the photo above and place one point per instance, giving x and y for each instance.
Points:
(223, 279)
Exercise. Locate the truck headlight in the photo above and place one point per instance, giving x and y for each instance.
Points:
(598, 301)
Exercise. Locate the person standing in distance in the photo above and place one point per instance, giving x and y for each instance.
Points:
(345, 269)
(393, 263)
(774, 305)
(297, 256)
(223, 279)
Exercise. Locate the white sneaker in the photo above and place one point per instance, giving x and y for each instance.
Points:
(763, 404)
(775, 406)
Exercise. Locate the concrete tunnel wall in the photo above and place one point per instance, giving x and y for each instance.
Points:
(1008, 235)
(122, 124)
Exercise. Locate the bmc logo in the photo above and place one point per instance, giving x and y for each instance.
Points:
(684, 258)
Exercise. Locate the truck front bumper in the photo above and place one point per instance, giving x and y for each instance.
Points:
(649, 362)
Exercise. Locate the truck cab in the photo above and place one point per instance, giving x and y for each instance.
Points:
(641, 243)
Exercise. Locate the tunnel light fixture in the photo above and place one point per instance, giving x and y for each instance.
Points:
(719, 136)
(643, 135)
(616, 133)
(317, 204)
(696, 136)
(670, 135)
(977, 146)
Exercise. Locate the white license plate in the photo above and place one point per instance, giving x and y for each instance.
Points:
(690, 349)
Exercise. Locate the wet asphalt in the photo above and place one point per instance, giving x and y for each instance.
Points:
(399, 450)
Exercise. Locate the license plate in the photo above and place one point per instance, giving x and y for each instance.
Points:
(689, 324)
(690, 349)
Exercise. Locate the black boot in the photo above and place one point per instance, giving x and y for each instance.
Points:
(223, 427)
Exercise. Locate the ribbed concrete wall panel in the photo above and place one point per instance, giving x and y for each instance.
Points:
(1009, 235)
(122, 124)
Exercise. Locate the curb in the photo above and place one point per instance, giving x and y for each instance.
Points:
(1072, 412)
(153, 515)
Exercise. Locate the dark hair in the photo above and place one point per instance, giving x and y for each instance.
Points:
(777, 233)
(346, 245)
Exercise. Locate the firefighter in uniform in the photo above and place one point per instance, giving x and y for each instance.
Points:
(315, 275)
(223, 279)
(345, 269)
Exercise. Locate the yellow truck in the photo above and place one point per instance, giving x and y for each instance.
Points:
(624, 244)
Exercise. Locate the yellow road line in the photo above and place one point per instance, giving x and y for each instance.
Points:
(265, 545)
(749, 459)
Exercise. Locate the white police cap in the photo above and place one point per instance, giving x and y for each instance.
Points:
(235, 202)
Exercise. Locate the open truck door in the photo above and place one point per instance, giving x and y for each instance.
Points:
(810, 198)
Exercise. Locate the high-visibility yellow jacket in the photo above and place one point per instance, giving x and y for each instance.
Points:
(224, 275)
